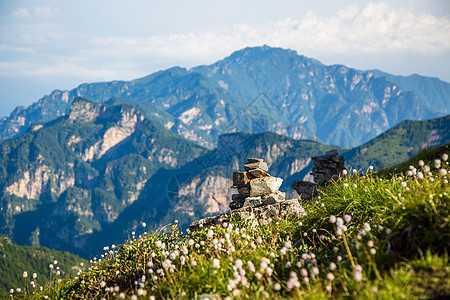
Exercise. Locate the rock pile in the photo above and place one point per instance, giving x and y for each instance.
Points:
(255, 186)
(326, 168)
(258, 198)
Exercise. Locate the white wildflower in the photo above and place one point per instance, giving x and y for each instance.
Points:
(437, 163)
(216, 263)
(332, 219)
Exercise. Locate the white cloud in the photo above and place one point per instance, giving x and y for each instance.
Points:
(21, 13)
(45, 11)
(376, 29)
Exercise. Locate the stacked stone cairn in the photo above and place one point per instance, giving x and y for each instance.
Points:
(326, 168)
(258, 198)
(255, 186)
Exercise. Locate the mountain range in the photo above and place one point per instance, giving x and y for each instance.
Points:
(81, 169)
(90, 177)
(257, 90)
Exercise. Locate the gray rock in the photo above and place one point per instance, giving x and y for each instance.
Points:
(256, 165)
(265, 212)
(252, 201)
(253, 160)
(241, 178)
(258, 173)
(260, 214)
(238, 198)
(305, 189)
(203, 222)
(326, 168)
(245, 191)
(292, 208)
(274, 197)
(264, 185)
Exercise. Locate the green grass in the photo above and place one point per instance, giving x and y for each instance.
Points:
(15, 260)
(367, 236)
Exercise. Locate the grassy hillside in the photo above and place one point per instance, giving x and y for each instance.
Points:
(15, 260)
(365, 237)
(400, 143)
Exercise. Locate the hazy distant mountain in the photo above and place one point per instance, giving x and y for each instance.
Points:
(435, 91)
(339, 105)
(257, 90)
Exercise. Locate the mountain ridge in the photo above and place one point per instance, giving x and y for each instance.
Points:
(273, 89)
(92, 176)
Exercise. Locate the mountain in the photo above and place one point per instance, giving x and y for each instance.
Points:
(15, 260)
(339, 105)
(400, 143)
(256, 90)
(291, 159)
(87, 179)
(64, 180)
(434, 90)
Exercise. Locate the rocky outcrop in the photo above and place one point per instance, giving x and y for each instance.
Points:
(85, 111)
(126, 126)
(262, 214)
(326, 168)
(258, 199)
(33, 183)
(211, 191)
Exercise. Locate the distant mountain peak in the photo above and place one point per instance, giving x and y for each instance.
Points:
(306, 99)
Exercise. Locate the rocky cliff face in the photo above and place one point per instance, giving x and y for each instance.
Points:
(212, 192)
(73, 176)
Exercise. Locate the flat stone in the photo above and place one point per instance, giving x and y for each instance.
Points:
(252, 201)
(258, 173)
(253, 160)
(238, 198)
(256, 165)
(275, 197)
(203, 222)
(245, 191)
(264, 186)
(241, 178)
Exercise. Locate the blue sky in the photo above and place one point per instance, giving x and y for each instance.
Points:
(59, 44)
